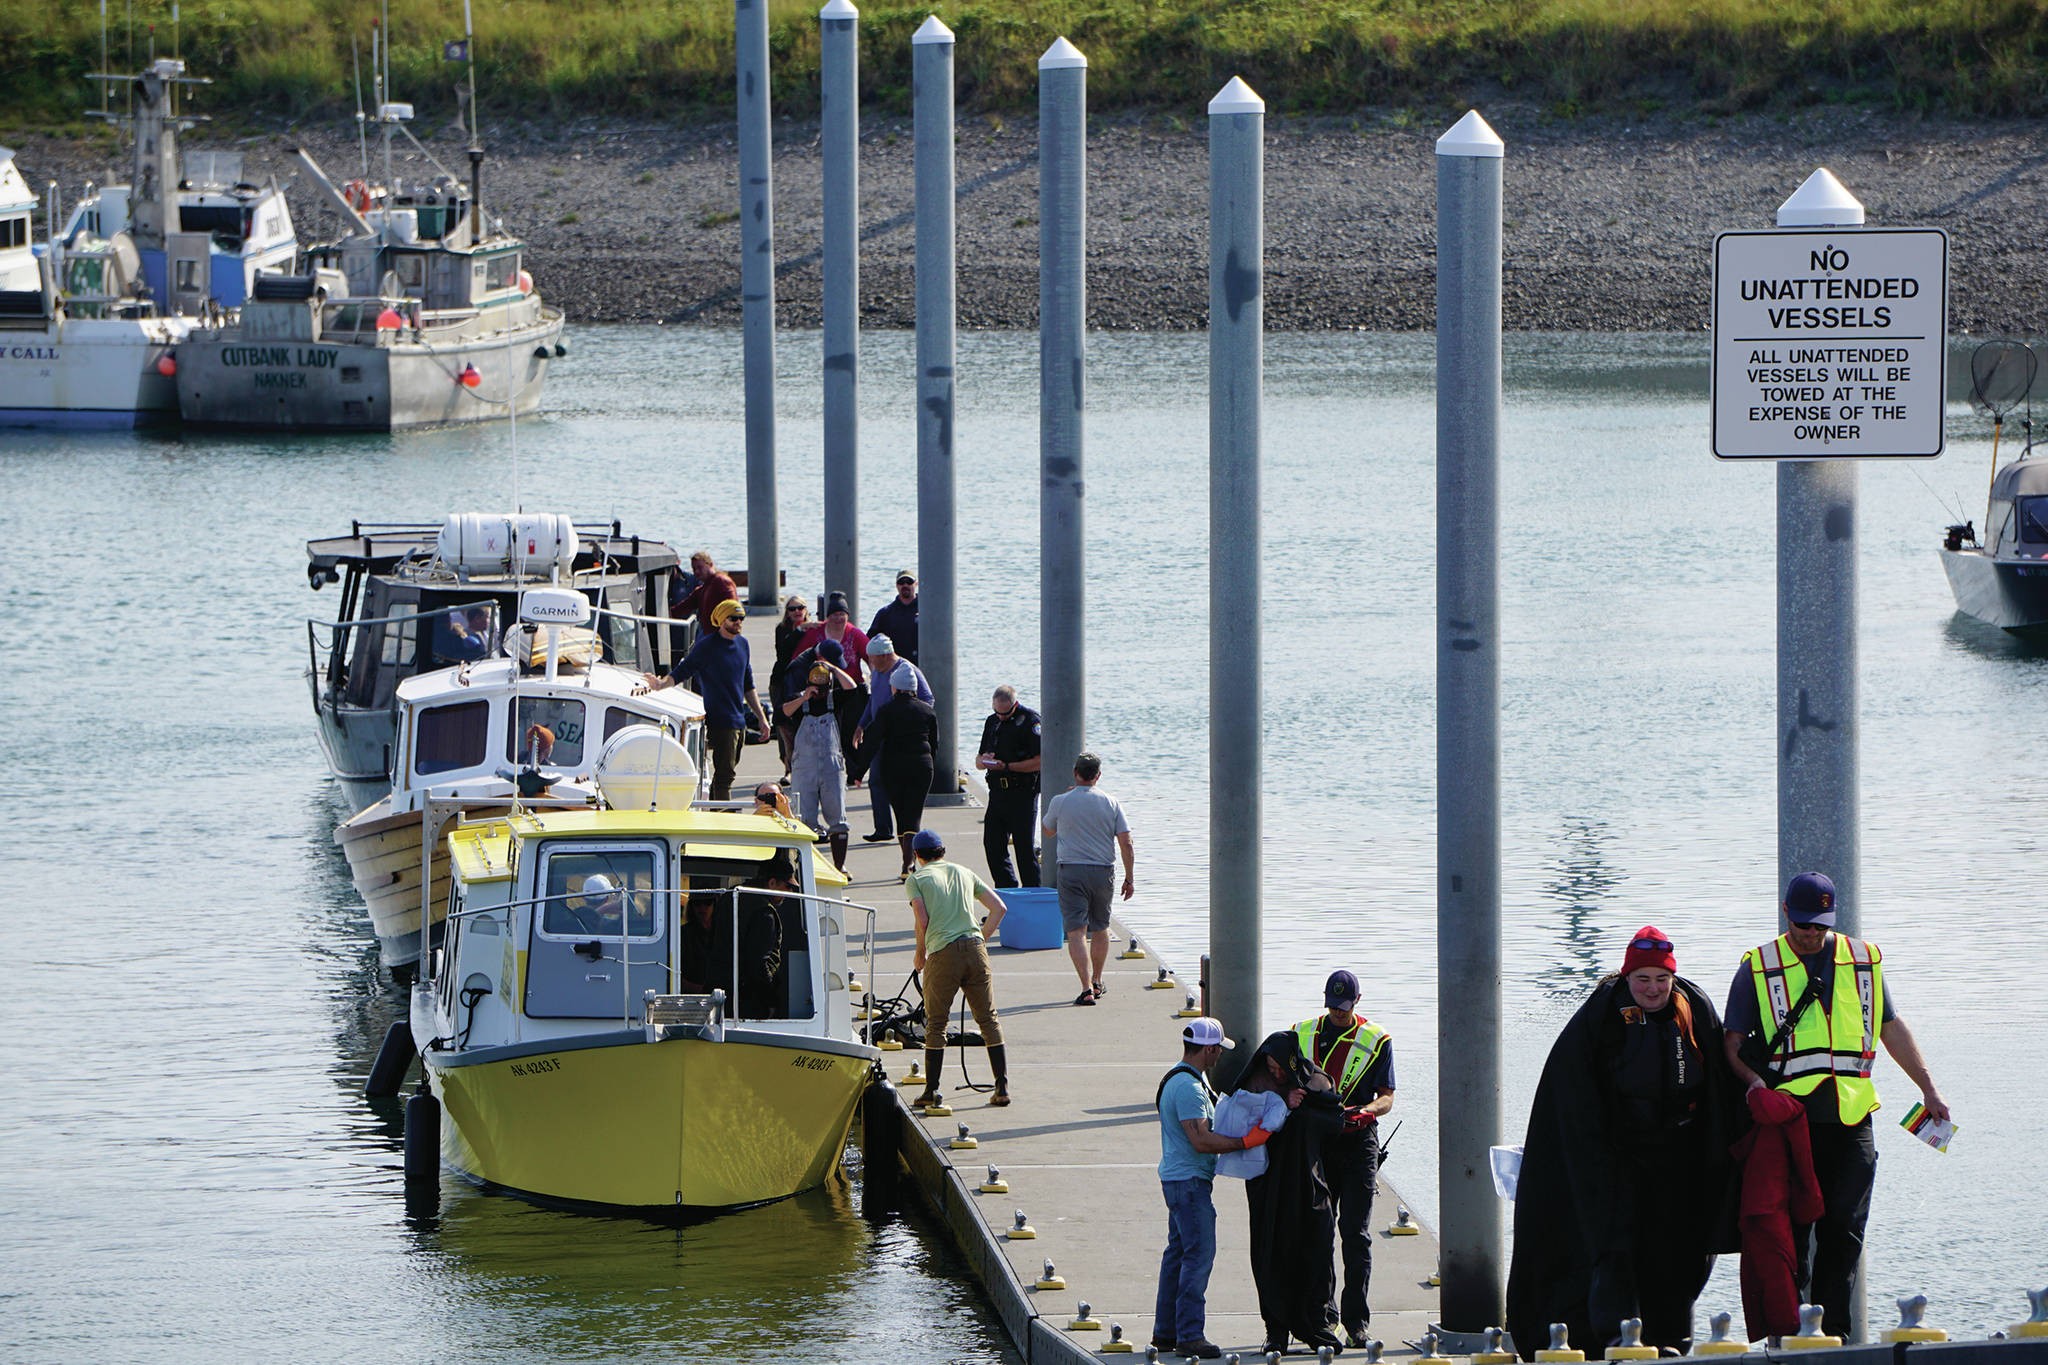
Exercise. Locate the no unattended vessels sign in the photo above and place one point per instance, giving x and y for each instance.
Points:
(1830, 344)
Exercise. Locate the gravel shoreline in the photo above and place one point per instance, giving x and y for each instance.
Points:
(1609, 223)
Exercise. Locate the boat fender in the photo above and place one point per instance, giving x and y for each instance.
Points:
(422, 1140)
(394, 1062)
(880, 1145)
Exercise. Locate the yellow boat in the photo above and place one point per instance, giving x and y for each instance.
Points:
(602, 1026)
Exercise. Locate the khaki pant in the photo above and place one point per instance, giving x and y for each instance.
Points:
(960, 966)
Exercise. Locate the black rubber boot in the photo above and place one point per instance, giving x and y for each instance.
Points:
(934, 1064)
(903, 842)
(839, 850)
(999, 1061)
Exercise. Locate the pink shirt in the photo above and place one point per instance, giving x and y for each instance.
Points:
(854, 642)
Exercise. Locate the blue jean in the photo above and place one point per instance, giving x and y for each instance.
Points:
(1182, 1308)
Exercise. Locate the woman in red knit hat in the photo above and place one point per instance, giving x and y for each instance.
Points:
(1627, 1190)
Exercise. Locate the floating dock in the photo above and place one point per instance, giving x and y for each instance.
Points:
(1079, 1147)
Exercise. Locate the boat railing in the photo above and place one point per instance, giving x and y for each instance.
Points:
(327, 659)
(673, 900)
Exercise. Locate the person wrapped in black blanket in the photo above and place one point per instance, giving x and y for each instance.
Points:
(1293, 1222)
(1626, 1190)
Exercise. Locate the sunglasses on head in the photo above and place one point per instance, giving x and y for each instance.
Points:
(1651, 945)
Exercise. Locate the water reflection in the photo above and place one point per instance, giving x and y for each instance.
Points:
(1580, 882)
(1969, 635)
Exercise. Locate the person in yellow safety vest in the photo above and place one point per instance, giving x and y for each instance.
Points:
(1826, 1063)
(1358, 1057)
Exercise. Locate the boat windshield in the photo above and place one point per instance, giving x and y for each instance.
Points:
(589, 892)
(562, 717)
(2033, 515)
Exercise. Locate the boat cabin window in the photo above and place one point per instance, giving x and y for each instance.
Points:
(411, 269)
(502, 272)
(13, 232)
(590, 893)
(452, 737)
(561, 715)
(617, 718)
(600, 937)
(464, 635)
(2033, 518)
(756, 892)
(189, 281)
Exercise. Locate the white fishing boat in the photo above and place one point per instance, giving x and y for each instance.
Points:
(605, 1024)
(76, 359)
(2002, 577)
(90, 320)
(530, 721)
(420, 314)
(407, 590)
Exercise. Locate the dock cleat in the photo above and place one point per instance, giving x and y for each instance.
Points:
(1911, 1309)
(1719, 1344)
(1560, 1348)
(1810, 1337)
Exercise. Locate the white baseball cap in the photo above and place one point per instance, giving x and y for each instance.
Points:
(1205, 1032)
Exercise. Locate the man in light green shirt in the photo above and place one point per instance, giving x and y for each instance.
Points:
(953, 955)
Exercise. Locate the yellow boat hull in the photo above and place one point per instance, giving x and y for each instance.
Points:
(679, 1123)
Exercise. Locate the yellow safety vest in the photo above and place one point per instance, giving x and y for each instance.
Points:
(1367, 1041)
(1837, 1037)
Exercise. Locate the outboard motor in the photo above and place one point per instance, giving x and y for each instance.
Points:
(1955, 537)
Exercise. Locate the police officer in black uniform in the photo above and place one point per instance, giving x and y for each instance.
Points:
(1009, 759)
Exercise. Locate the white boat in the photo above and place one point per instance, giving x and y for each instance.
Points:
(464, 732)
(399, 582)
(419, 315)
(90, 321)
(88, 359)
(2002, 577)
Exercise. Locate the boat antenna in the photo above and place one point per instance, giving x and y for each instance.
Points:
(355, 47)
(104, 91)
(2001, 374)
(469, 52)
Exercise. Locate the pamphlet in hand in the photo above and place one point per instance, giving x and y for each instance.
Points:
(1936, 1133)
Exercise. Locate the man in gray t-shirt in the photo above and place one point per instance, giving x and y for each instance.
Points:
(1089, 828)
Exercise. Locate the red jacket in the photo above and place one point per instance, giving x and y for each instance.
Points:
(1778, 1190)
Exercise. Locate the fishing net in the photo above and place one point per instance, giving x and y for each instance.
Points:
(2001, 374)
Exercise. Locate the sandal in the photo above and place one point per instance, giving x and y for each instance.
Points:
(926, 1099)
(1086, 997)
(1098, 988)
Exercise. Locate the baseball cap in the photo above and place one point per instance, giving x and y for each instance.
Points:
(878, 645)
(1341, 991)
(905, 576)
(925, 840)
(1810, 899)
(1205, 1032)
(597, 884)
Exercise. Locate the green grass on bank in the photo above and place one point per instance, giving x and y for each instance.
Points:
(291, 58)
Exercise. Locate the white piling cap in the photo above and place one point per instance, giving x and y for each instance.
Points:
(1471, 136)
(1061, 54)
(839, 9)
(1237, 98)
(1822, 201)
(932, 31)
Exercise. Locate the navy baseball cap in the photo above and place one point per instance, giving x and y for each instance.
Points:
(1341, 991)
(925, 840)
(1810, 899)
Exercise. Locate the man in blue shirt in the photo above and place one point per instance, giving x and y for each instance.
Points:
(724, 670)
(898, 618)
(882, 661)
(1187, 1172)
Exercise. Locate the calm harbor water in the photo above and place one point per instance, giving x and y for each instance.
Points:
(189, 1170)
